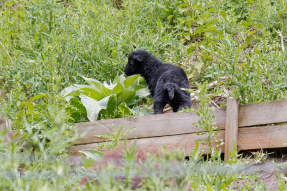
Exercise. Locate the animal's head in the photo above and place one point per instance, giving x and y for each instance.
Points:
(135, 61)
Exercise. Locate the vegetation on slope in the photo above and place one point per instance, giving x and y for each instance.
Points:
(49, 45)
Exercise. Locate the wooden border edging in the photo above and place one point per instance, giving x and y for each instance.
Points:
(148, 126)
(248, 138)
(262, 113)
(182, 123)
(231, 127)
(177, 130)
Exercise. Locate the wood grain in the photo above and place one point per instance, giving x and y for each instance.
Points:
(186, 142)
(160, 128)
(262, 137)
(248, 138)
(231, 128)
(148, 126)
(262, 113)
(182, 123)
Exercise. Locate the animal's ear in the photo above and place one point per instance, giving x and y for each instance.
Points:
(138, 57)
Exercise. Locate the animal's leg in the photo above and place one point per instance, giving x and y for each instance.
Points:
(175, 108)
(180, 106)
(158, 107)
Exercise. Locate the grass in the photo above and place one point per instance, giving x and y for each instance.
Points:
(48, 45)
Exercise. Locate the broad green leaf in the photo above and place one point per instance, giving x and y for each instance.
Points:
(104, 102)
(144, 92)
(93, 154)
(91, 92)
(120, 79)
(79, 108)
(70, 91)
(142, 82)
(137, 111)
(128, 97)
(128, 81)
(106, 92)
(118, 88)
(104, 98)
(92, 106)
(112, 104)
(97, 84)
(111, 86)
(124, 109)
(136, 87)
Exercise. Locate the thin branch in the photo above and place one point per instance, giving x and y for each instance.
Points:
(214, 103)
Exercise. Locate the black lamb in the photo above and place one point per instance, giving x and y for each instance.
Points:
(164, 80)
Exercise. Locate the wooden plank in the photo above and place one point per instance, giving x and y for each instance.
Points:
(248, 138)
(262, 137)
(5, 124)
(262, 113)
(231, 128)
(181, 123)
(148, 126)
(186, 142)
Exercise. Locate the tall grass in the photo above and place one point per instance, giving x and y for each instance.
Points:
(236, 39)
(52, 43)
(48, 45)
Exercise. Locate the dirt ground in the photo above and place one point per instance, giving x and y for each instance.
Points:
(265, 165)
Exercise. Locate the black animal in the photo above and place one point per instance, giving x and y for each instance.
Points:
(164, 80)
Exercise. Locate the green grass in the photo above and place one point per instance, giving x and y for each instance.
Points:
(46, 46)
(52, 43)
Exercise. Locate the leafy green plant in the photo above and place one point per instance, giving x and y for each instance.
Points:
(48, 45)
(206, 120)
(39, 120)
(42, 163)
(112, 142)
(114, 139)
(102, 100)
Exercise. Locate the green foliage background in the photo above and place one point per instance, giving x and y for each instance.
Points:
(48, 45)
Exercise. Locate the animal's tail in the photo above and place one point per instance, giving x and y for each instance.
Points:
(171, 88)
